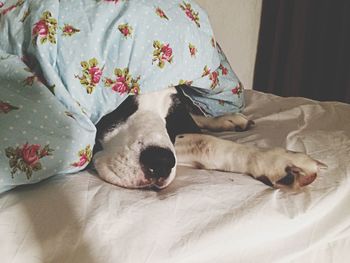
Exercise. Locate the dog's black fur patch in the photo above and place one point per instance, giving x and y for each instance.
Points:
(179, 120)
(128, 107)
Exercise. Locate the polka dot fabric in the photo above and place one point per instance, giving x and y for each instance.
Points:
(65, 64)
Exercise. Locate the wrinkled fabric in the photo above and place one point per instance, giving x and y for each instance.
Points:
(65, 64)
(203, 216)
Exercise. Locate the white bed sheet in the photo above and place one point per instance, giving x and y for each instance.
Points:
(204, 216)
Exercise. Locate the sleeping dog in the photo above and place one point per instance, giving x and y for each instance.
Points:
(139, 145)
(76, 61)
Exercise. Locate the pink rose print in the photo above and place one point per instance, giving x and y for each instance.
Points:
(120, 86)
(235, 90)
(190, 13)
(224, 70)
(91, 74)
(167, 52)
(161, 13)
(214, 77)
(85, 156)
(162, 53)
(41, 28)
(30, 154)
(82, 161)
(124, 82)
(95, 75)
(193, 50)
(69, 30)
(27, 158)
(126, 30)
(1, 4)
(6, 107)
(45, 29)
(238, 90)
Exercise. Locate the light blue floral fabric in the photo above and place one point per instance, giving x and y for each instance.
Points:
(65, 64)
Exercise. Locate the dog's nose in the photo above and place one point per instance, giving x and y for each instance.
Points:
(157, 162)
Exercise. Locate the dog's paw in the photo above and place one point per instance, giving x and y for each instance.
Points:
(228, 122)
(283, 169)
(232, 122)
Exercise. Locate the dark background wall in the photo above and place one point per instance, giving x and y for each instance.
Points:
(304, 49)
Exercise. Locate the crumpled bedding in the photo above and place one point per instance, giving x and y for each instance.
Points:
(65, 64)
(204, 216)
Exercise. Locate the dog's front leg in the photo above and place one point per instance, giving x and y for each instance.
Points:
(227, 122)
(275, 167)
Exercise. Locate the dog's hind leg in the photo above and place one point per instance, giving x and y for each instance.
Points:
(275, 167)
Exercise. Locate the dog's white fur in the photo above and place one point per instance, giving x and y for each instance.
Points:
(119, 162)
(208, 152)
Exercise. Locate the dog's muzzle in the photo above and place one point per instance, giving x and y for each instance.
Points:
(157, 163)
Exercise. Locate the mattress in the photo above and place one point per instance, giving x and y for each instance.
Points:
(203, 216)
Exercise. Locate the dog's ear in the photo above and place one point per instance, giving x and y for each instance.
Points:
(179, 120)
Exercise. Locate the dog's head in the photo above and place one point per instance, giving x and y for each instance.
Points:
(135, 143)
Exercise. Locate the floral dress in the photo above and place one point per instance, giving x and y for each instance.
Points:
(65, 64)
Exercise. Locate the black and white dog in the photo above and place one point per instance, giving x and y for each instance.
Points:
(139, 145)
